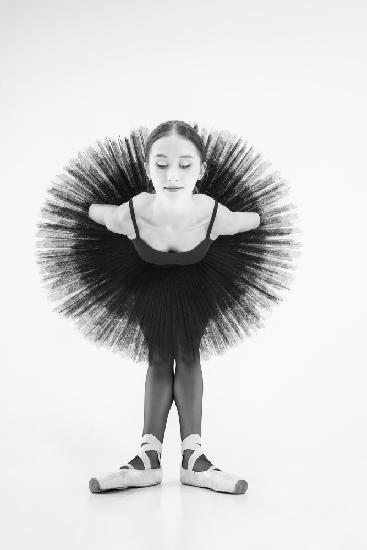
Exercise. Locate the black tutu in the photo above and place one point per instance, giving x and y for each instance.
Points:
(140, 309)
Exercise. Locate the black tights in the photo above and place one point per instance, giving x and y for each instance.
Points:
(184, 387)
(163, 386)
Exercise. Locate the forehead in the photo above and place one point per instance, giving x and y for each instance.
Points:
(173, 146)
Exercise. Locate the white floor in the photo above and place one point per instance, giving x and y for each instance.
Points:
(299, 497)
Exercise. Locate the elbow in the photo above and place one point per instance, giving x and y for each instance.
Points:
(247, 221)
(95, 214)
(257, 221)
(252, 221)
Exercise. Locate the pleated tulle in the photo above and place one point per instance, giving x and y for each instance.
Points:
(143, 310)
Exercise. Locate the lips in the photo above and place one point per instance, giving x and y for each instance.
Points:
(172, 187)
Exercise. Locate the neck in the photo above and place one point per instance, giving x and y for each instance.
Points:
(173, 212)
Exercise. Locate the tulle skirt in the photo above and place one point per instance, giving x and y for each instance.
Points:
(142, 310)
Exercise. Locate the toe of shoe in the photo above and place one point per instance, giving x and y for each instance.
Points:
(94, 486)
(240, 487)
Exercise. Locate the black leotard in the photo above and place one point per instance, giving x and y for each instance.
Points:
(159, 257)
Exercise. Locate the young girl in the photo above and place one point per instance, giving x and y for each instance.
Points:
(173, 224)
(176, 274)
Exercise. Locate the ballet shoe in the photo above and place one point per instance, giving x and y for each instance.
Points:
(213, 478)
(130, 477)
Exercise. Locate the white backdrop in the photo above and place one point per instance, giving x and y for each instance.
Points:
(286, 409)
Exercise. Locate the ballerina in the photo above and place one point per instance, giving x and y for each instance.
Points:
(179, 274)
(173, 218)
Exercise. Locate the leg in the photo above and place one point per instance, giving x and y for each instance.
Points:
(157, 404)
(188, 397)
(196, 469)
(145, 468)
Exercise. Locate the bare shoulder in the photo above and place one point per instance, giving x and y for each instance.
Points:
(225, 222)
(123, 215)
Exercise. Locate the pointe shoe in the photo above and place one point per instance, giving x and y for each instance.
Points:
(213, 478)
(130, 477)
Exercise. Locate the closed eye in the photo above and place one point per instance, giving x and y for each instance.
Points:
(165, 166)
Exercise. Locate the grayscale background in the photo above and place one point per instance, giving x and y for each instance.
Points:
(289, 77)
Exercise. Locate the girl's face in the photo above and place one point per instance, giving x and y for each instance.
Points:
(174, 162)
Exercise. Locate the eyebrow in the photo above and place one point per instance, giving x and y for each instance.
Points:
(181, 156)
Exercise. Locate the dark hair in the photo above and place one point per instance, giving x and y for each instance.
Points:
(180, 128)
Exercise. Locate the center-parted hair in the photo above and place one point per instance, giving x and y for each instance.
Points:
(179, 128)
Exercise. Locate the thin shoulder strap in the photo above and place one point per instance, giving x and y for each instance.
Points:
(132, 213)
(212, 219)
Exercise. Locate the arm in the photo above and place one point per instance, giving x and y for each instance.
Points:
(111, 216)
(230, 223)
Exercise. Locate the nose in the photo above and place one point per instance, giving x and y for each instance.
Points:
(172, 176)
